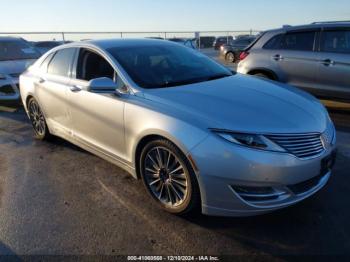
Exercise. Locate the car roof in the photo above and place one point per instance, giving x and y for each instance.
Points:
(110, 43)
(105, 44)
(316, 25)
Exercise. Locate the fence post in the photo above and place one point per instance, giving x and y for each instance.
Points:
(63, 38)
(164, 35)
(121, 34)
(251, 31)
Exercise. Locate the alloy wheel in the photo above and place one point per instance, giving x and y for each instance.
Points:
(166, 177)
(37, 118)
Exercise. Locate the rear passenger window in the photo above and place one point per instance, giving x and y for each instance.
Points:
(45, 63)
(61, 62)
(274, 42)
(299, 41)
(336, 41)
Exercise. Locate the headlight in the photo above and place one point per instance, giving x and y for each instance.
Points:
(2, 77)
(250, 140)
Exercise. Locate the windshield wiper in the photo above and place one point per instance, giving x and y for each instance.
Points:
(180, 83)
(193, 81)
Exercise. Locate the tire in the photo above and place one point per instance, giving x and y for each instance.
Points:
(262, 75)
(38, 121)
(169, 178)
(230, 57)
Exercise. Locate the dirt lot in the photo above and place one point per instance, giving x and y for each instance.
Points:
(58, 199)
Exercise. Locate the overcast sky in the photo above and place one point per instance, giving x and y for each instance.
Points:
(165, 15)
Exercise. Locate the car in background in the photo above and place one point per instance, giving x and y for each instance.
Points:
(207, 41)
(222, 40)
(44, 46)
(188, 42)
(232, 51)
(314, 57)
(201, 138)
(16, 55)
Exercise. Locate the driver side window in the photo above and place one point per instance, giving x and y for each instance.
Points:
(91, 65)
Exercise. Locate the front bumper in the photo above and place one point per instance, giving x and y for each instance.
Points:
(9, 90)
(238, 181)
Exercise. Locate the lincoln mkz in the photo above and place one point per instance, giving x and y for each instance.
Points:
(198, 135)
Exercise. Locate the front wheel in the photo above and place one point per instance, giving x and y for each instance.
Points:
(38, 120)
(169, 178)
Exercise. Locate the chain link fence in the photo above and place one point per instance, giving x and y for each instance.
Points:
(205, 39)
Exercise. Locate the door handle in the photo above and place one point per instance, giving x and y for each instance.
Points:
(278, 57)
(327, 62)
(75, 88)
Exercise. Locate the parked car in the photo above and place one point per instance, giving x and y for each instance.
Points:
(16, 55)
(313, 57)
(232, 51)
(222, 40)
(188, 42)
(198, 135)
(44, 46)
(207, 41)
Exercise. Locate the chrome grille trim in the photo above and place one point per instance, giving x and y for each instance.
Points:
(300, 145)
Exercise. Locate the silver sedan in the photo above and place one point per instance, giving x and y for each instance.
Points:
(199, 136)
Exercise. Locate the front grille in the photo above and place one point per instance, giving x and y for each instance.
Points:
(7, 89)
(300, 145)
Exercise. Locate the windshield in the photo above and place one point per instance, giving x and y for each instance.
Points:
(17, 50)
(160, 66)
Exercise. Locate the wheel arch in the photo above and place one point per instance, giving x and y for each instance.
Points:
(29, 96)
(26, 101)
(147, 138)
(270, 73)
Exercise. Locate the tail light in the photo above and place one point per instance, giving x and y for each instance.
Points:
(243, 55)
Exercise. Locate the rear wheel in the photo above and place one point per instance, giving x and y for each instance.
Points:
(230, 57)
(38, 120)
(169, 178)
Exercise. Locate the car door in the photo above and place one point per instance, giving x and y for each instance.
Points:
(334, 66)
(52, 89)
(98, 118)
(295, 58)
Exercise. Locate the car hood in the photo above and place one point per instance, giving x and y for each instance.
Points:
(245, 104)
(15, 67)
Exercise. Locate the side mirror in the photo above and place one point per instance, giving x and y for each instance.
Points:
(102, 84)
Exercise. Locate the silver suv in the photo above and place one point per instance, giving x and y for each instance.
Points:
(314, 57)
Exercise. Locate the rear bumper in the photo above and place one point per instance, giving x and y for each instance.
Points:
(225, 169)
